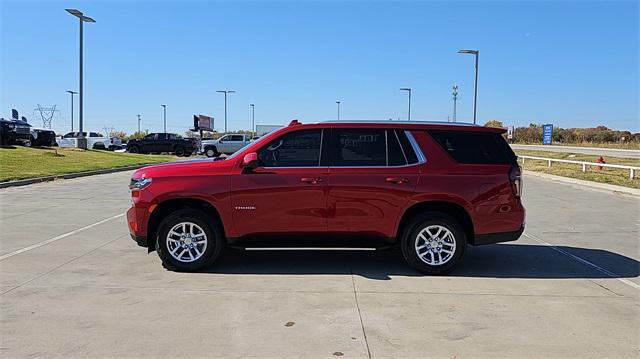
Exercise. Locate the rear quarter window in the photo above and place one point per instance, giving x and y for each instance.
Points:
(474, 147)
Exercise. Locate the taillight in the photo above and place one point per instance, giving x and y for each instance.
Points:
(515, 179)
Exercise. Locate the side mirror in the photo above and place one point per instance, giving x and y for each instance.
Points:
(249, 162)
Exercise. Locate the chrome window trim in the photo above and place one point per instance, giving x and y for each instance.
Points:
(320, 153)
(416, 148)
(412, 141)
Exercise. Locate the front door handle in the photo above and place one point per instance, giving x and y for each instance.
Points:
(397, 180)
(311, 180)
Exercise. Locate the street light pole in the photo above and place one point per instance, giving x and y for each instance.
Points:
(409, 91)
(164, 107)
(225, 106)
(253, 118)
(338, 103)
(475, 81)
(455, 99)
(72, 93)
(82, 142)
(138, 123)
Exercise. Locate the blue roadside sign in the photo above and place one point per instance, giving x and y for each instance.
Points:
(547, 134)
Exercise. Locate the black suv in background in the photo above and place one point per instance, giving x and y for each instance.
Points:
(162, 142)
(14, 131)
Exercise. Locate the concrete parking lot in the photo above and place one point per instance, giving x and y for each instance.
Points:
(73, 284)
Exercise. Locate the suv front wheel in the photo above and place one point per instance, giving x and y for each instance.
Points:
(188, 241)
(433, 243)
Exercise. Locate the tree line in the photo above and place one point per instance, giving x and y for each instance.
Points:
(599, 134)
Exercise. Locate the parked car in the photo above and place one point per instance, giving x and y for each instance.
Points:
(42, 137)
(14, 131)
(95, 141)
(227, 144)
(430, 188)
(162, 142)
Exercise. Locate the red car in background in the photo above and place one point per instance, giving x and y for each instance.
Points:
(430, 187)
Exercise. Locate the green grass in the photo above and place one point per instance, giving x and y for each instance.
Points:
(25, 162)
(613, 145)
(615, 176)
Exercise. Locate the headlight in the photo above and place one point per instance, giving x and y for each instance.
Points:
(139, 183)
(12, 126)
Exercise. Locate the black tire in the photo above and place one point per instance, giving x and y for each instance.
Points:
(211, 152)
(213, 238)
(179, 151)
(99, 146)
(433, 220)
(133, 149)
(188, 153)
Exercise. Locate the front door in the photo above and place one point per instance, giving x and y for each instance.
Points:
(286, 193)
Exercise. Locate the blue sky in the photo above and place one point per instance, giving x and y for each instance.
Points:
(574, 64)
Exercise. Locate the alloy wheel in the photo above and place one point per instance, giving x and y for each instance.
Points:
(435, 245)
(186, 242)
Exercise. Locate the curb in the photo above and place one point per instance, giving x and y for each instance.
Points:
(603, 187)
(29, 181)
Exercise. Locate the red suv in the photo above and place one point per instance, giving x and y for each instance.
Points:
(432, 188)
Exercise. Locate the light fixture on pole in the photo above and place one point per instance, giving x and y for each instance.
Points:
(253, 118)
(138, 123)
(338, 103)
(475, 81)
(81, 142)
(409, 91)
(72, 93)
(225, 92)
(164, 110)
(455, 99)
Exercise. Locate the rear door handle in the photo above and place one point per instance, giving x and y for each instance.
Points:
(311, 180)
(397, 180)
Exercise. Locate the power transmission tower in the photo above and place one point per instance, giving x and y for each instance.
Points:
(46, 114)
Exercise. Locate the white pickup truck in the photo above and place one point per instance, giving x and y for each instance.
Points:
(95, 141)
(227, 144)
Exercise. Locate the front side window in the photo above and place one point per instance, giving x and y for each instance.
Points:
(358, 147)
(294, 149)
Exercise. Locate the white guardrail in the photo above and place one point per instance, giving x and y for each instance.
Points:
(632, 170)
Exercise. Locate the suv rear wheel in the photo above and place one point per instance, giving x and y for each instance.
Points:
(179, 151)
(433, 243)
(188, 241)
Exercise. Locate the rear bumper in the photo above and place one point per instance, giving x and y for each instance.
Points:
(490, 238)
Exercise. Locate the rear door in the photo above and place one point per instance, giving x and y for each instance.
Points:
(370, 180)
(286, 194)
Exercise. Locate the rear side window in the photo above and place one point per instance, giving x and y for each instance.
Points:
(294, 149)
(396, 155)
(474, 147)
(359, 147)
(412, 158)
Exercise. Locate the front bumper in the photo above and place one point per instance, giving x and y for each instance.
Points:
(141, 240)
(137, 219)
(490, 238)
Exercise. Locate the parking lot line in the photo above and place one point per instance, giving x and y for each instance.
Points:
(584, 261)
(57, 238)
